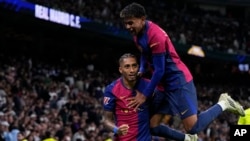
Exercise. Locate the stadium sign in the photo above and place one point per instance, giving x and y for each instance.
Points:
(45, 13)
(57, 16)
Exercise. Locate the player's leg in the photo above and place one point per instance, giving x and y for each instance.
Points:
(166, 119)
(158, 129)
(227, 103)
(194, 123)
(185, 101)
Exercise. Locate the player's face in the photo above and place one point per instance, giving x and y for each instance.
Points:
(134, 25)
(129, 69)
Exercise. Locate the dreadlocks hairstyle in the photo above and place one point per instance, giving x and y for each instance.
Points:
(133, 10)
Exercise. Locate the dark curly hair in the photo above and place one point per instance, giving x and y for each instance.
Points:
(133, 10)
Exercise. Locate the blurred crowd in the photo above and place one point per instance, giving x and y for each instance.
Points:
(185, 23)
(41, 101)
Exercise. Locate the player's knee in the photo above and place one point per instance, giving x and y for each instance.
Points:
(190, 124)
(154, 123)
(194, 129)
(166, 119)
(155, 120)
(191, 129)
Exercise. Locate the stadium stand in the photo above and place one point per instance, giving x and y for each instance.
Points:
(224, 30)
(51, 80)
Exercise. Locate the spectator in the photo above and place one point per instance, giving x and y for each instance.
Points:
(79, 135)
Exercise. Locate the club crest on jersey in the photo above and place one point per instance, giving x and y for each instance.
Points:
(106, 100)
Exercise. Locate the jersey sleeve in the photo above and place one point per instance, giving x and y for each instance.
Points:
(157, 75)
(157, 40)
(108, 99)
(143, 63)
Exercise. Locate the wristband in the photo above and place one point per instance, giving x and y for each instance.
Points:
(115, 130)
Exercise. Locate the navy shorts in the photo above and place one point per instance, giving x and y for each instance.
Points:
(181, 101)
(159, 103)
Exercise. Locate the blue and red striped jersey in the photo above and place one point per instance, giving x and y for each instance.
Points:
(115, 100)
(159, 53)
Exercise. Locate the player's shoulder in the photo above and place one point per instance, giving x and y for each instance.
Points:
(113, 83)
(153, 26)
(154, 29)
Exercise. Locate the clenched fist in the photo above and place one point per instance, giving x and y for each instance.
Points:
(123, 129)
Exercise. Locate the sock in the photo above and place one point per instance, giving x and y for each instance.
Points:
(223, 105)
(167, 132)
(205, 118)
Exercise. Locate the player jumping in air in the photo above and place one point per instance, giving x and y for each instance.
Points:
(159, 53)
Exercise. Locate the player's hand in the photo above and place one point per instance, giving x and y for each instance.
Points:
(123, 129)
(137, 101)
